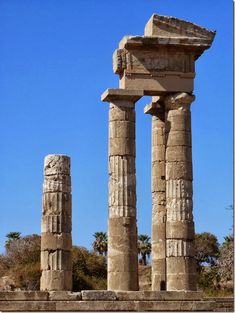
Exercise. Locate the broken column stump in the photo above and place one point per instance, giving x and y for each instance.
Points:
(56, 240)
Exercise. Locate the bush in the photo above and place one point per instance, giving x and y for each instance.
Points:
(27, 276)
(89, 270)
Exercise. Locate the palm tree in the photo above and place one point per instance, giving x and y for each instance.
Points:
(100, 244)
(144, 248)
(14, 235)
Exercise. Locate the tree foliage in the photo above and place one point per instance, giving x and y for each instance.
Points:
(100, 244)
(24, 250)
(225, 261)
(22, 260)
(89, 270)
(144, 248)
(12, 236)
(207, 249)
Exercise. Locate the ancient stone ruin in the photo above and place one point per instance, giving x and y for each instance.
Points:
(56, 239)
(160, 64)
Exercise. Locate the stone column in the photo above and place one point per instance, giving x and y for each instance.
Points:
(56, 240)
(122, 227)
(180, 262)
(157, 110)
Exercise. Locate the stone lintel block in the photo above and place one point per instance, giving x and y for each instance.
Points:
(121, 146)
(161, 83)
(179, 138)
(121, 129)
(179, 170)
(120, 113)
(64, 295)
(180, 153)
(180, 230)
(158, 184)
(56, 164)
(50, 241)
(116, 95)
(120, 262)
(56, 203)
(158, 153)
(123, 281)
(98, 295)
(23, 295)
(54, 280)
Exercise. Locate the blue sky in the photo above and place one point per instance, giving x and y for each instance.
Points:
(56, 60)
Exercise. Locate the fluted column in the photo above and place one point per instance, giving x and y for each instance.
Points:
(157, 110)
(56, 240)
(180, 262)
(122, 227)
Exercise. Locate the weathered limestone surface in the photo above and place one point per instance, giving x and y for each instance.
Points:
(56, 240)
(180, 262)
(122, 228)
(161, 61)
(90, 300)
(160, 64)
(157, 110)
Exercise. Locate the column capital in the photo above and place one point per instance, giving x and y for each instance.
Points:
(177, 100)
(156, 107)
(111, 95)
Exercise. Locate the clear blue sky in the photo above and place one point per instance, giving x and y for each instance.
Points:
(55, 61)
